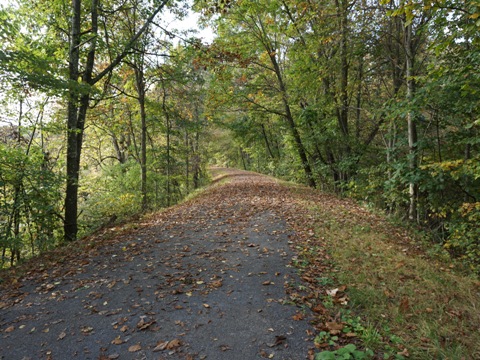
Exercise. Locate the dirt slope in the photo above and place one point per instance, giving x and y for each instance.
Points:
(203, 280)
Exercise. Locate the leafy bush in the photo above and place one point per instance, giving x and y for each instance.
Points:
(30, 203)
(464, 238)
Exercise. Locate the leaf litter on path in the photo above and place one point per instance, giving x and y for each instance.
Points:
(178, 282)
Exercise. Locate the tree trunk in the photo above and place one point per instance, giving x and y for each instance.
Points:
(79, 99)
(291, 122)
(267, 143)
(71, 194)
(168, 129)
(196, 161)
(187, 160)
(343, 111)
(140, 83)
(412, 127)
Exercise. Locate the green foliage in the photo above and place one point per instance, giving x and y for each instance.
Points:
(30, 203)
(348, 352)
(464, 234)
(113, 192)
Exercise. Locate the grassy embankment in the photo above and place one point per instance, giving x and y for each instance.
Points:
(398, 300)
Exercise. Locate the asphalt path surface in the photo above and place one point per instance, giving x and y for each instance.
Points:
(206, 279)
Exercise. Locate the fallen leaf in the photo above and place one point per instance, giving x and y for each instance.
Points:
(216, 284)
(404, 305)
(167, 345)
(332, 292)
(298, 316)
(279, 340)
(320, 309)
(135, 348)
(333, 326)
(161, 346)
(10, 329)
(142, 324)
(87, 329)
(117, 341)
(342, 300)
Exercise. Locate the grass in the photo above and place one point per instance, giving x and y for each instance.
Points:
(402, 294)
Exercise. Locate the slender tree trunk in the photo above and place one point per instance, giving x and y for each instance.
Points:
(267, 143)
(168, 129)
(243, 158)
(412, 127)
(359, 100)
(343, 111)
(15, 217)
(291, 122)
(140, 82)
(187, 161)
(196, 161)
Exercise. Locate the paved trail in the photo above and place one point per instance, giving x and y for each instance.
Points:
(202, 280)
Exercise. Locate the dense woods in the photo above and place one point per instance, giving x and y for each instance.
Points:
(107, 112)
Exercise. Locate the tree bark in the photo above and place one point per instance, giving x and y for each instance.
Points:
(140, 82)
(343, 111)
(412, 126)
(71, 195)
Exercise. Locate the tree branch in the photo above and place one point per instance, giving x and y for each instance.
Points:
(129, 46)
